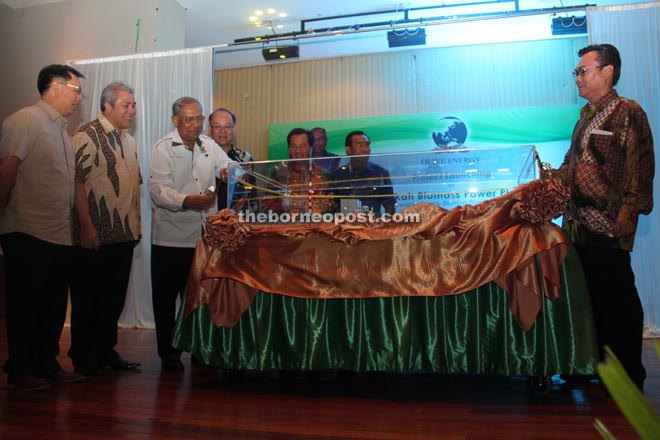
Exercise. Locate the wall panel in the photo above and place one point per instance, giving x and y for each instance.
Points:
(306, 90)
(534, 73)
(246, 92)
(420, 80)
(378, 84)
(455, 78)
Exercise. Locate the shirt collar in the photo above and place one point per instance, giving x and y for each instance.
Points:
(601, 102)
(177, 141)
(52, 113)
(108, 127)
(352, 170)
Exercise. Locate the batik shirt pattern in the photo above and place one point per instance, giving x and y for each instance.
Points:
(107, 163)
(609, 169)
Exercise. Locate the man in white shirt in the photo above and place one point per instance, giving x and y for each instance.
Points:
(184, 166)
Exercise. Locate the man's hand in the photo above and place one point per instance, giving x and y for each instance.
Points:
(623, 228)
(89, 238)
(200, 202)
(8, 171)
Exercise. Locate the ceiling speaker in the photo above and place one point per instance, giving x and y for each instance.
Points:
(569, 25)
(280, 52)
(406, 37)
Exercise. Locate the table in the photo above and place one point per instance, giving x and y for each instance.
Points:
(250, 308)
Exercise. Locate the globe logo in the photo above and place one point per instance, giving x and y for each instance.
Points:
(451, 134)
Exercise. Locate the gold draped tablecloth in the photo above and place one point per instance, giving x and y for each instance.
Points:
(509, 240)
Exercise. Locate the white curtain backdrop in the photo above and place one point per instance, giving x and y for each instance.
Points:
(635, 30)
(158, 79)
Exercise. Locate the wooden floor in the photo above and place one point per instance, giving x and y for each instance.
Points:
(198, 404)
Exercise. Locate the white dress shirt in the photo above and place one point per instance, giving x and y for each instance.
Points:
(177, 172)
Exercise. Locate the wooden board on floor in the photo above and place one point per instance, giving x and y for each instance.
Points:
(200, 404)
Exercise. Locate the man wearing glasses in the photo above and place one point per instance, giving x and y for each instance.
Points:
(184, 166)
(222, 128)
(37, 193)
(609, 169)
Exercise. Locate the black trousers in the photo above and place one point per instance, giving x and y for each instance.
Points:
(36, 291)
(169, 273)
(618, 312)
(98, 292)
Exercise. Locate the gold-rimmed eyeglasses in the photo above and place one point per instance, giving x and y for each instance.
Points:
(76, 89)
(581, 71)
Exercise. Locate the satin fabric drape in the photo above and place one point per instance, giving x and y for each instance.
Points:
(470, 333)
(445, 253)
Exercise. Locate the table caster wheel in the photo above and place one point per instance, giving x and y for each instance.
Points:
(540, 385)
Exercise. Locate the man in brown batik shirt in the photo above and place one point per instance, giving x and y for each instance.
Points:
(609, 169)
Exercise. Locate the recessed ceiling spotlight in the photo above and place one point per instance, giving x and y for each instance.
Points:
(269, 16)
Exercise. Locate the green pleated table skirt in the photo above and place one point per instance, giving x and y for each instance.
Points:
(473, 332)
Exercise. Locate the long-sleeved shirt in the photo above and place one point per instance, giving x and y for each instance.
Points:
(372, 182)
(609, 169)
(177, 172)
(304, 189)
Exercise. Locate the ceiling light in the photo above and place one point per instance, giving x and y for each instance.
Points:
(271, 16)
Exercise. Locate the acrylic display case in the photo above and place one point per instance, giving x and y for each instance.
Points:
(447, 178)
